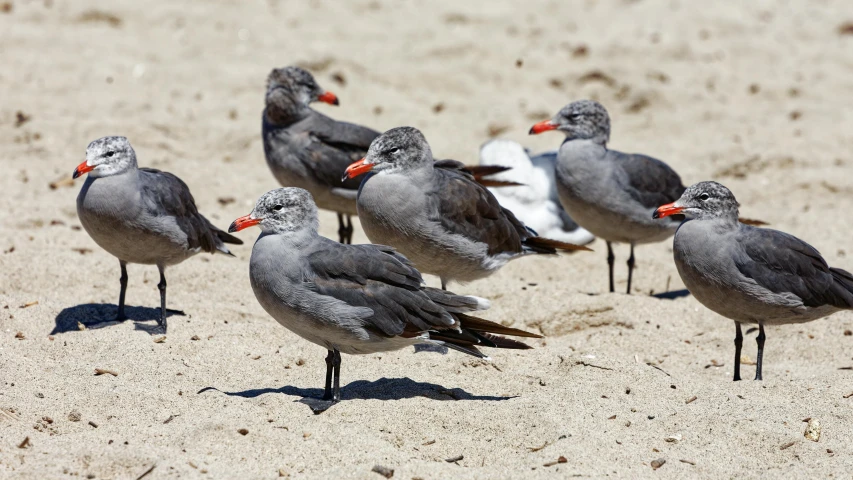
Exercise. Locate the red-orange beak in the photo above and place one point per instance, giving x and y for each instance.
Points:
(542, 126)
(667, 210)
(245, 221)
(330, 98)
(358, 168)
(81, 169)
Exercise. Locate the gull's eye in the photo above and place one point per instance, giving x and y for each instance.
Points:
(109, 154)
(704, 197)
(277, 208)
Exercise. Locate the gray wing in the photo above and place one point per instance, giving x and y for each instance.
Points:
(464, 207)
(379, 278)
(648, 180)
(334, 146)
(165, 195)
(783, 263)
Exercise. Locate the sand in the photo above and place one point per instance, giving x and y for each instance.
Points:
(756, 97)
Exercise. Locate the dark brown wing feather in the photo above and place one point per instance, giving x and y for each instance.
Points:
(464, 207)
(648, 180)
(379, 278)
(752, 222)
(783, 263)
(479, 172)
(334, 147)
(164, 194)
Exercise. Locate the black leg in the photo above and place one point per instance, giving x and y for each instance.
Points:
(443, 284)
(162, 287)
(610, 260)
(630, 268)
(332, 391)
(337, 377)
(344, 229)
(341, 229)
(120, 316)
(760, 341)
(738, 346)
(330, 360)
(349, 229)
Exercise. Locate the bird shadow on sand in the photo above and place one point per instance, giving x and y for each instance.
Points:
(672, 295)
(382, 389)
(102, 315)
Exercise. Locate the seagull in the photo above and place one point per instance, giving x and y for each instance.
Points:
(307, 149)
(534, 201)
(609, 193)
(141, 215)
(749, 274)
(353, 299)
(439, 217)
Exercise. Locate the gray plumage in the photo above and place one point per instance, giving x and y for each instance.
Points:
(141, 215)
(437, 215)
(609, 193)
(751, 274)
(307, 149)
(354, 299)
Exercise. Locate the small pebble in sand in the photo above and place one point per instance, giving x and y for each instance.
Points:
(656, 464)
(243, 431)
(673, 438)
(560, 459)
(812, 430)
(384, 471)
(75, 416)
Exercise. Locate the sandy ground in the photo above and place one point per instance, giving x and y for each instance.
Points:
(756, 97)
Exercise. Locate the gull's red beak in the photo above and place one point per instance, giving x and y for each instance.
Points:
(667, 210)
(81, 169)
(542, 126)
(245, 221)
(358, 168)
(330, 98)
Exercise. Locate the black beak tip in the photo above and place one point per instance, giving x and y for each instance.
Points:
(344, 177)
(531, 131)
(655, 215)
(336, 102)
(75, 174)
(233, 227)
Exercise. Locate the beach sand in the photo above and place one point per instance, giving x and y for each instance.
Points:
(755, 96)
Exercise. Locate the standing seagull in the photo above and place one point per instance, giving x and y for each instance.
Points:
(609, 193)
(307, 149)
(355, 299)
(749, 274)
(436, 214)
(141, 215)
